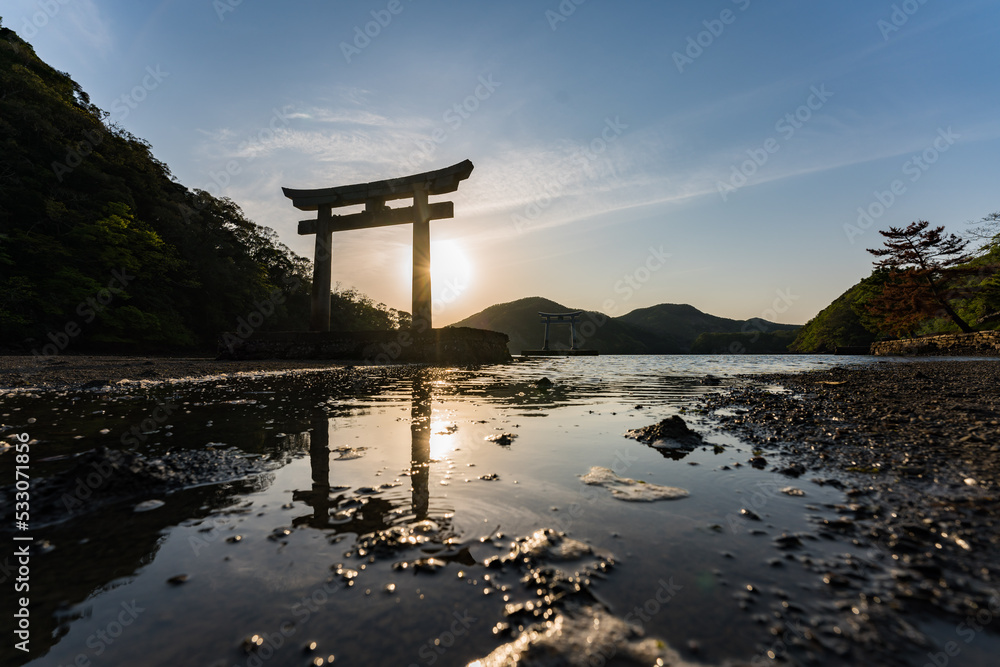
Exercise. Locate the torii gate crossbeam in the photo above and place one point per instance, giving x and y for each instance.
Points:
(374, 195)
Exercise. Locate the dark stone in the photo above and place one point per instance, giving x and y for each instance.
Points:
(502, 439)
(451, 345)
(794, 470)
(94, 384)
(786, 541)
(979, 343)
(673, 428)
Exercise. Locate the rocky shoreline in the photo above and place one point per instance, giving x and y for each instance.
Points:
(916, 449)
(76, 371)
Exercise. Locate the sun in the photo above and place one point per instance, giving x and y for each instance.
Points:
(451, 271)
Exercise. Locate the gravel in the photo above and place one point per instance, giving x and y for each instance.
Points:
(916, 449)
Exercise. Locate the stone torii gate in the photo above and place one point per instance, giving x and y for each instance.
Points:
(374, 196)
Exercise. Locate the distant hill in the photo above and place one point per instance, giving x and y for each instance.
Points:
(663, 329)
(678, 325)
(519, 320)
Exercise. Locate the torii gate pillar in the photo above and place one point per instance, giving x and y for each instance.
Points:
(376, 214)
(319, 311)
(421, 297)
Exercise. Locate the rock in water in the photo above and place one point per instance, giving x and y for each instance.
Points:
(582, 637)
(671, 432)
(623, 488)
(502, 439)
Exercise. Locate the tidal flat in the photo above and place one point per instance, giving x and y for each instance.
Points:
(818, 510)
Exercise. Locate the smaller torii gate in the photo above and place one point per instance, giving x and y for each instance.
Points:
(374, 195)
(560, 318)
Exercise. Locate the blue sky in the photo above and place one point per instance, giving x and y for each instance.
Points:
(627, 154)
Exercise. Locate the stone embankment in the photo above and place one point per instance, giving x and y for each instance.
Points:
(458, 345)
(977, 344)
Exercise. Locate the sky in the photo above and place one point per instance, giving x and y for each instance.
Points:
(736, 155)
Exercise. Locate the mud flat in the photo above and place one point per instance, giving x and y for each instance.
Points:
(916, 449)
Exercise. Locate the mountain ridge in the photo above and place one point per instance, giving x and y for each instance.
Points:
(665, 328)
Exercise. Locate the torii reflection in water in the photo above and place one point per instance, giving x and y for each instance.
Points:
(372, 515)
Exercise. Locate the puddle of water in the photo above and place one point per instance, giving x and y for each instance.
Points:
(368, 537)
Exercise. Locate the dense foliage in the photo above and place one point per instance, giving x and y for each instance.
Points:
(350, 310)
(845, 322)
(100, 247)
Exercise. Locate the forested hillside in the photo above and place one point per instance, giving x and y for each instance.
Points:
(909, 299)
(680, 325)
(100, 246)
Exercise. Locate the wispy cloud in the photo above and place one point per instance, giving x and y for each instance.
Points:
(89, 26)
(353, 117)
(533, 186)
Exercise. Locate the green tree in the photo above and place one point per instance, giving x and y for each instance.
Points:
(846, 322)
(350, 310)
(81, 197)
(923, 264)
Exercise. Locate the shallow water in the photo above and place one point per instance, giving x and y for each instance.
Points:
(368, 538)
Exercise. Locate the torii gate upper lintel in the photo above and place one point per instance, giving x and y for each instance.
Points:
(374, 196)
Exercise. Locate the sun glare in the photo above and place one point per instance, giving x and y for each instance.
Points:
(450, 269)
(451, 272)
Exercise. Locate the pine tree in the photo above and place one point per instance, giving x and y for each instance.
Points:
(923, 263)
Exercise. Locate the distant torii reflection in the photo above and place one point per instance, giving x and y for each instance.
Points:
(350, 514)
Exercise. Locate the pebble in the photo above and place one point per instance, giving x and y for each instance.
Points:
(148, 505)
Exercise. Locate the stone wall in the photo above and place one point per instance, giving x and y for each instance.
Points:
(977, 344)
(451, 346)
